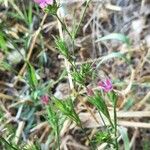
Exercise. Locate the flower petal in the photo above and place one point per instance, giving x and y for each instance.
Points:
(38, 1)
(50, 2)
(43, 5)
(45, 99)
(106, 85)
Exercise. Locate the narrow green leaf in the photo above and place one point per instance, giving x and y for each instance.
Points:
(32, 76)
(52, 117)
(67, 108)
(123, 132)
(98, 101)
(5, 66)
(3, 42)
(112, 97)
(18, 10)
(112, 55)
(62, 47)
(59, 104)
(30, 13)
(115, 36)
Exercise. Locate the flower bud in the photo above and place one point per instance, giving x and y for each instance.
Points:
(45, 99)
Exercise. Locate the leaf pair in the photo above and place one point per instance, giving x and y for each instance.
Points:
(52, 117)
(100, 104)
(82, 74)
(31, 75)
(52, 9)
(62, 47)
(67, 108)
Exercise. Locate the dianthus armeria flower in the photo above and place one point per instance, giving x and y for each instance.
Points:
(45, 99)
(106, 85)
(43, 3)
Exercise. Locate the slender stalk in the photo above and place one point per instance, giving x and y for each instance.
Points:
(64, 26)
(115, 126)
(58, 138)
(102, 118)
(91, 145)
(54, 122)
(83, 14)
(105, 123)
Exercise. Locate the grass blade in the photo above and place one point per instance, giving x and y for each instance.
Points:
(115, 36)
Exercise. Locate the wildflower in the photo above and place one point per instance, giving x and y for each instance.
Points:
(45, 99)
(106, 85)
(43, 3)
(89, 91)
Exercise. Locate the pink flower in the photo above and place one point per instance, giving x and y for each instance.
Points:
(106, 85)
(44, 3)
(45, 99)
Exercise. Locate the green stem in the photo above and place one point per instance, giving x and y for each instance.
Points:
(54, 122)
(115, 126)
(2, 139)
(91, 145)
(64, 26)
(83, 14)
(57, 137)
(102, 118)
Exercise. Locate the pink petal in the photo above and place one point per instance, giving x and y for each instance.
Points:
(108, 82)
(106, 85)
(43, 5)
(38, 1)
(49, 2)
(45, 99)
(101, 84)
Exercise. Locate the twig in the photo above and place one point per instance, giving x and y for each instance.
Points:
(142, 102)
(135, 134)
(134, 124)
(8, 97)
(19, 131)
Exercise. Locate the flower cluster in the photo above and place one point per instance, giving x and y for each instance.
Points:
(45, 99)
(43, 3)
(106, 85)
